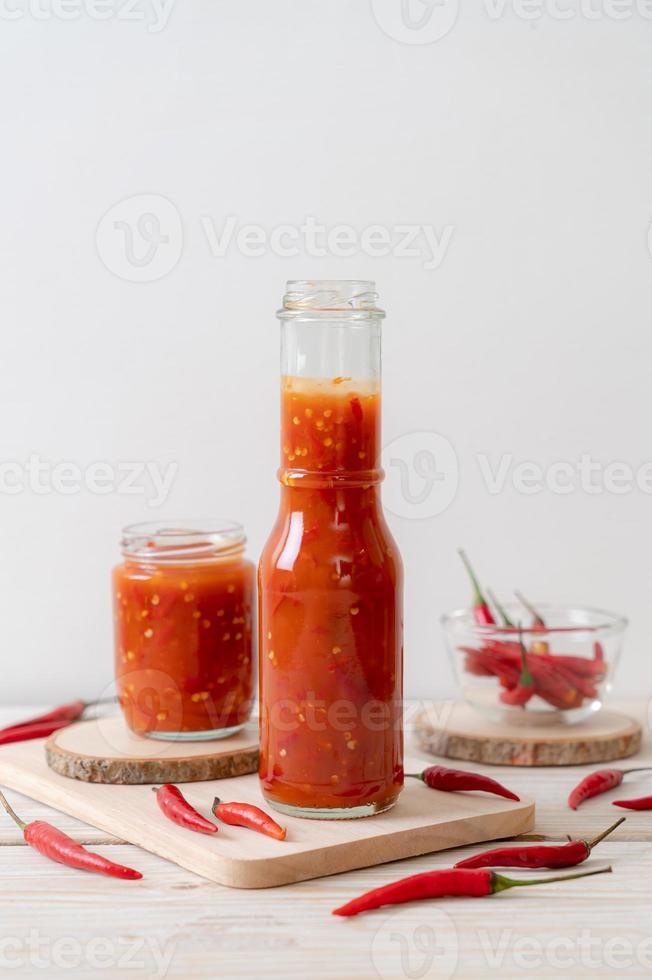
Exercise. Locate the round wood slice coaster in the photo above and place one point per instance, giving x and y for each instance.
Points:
(104, 750)
(460, 732)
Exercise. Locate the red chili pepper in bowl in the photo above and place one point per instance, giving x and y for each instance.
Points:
(248, 815)
(559, 683)
(459, 780)
(57, 846)
(643, 803)
(551, 856)
(579, 666)
(177, 809)
(448, 882)
(481, 611)
(598, 782)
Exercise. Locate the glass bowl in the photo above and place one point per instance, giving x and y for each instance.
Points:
(570, 663)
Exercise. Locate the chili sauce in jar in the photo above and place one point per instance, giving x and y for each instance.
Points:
(330, 577)
(183, 600)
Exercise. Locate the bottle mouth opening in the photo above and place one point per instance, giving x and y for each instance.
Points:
(354, 298)
(182, 540)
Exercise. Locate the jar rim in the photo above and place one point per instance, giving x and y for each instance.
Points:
(604, 621)
(182, 540)
(322, 298)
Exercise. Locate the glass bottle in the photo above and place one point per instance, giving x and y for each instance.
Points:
(183, 621)
(330, 576)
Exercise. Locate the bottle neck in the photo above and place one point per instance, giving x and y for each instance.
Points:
(330, 385)
(332, 345)
(330, 398)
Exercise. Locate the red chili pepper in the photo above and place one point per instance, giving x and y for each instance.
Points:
(494, 662)
(69, 712)
(517, 697)
(475, 666)
(580, 666)
(643, 803)
(444, 883)
(582, 685)
(552, 685)
(599, 782)
(553, 856)
(459, 780)
(248, 815)
(481, 610)
(58, 717)
(24, 733)
(176, 808)
(57, 846)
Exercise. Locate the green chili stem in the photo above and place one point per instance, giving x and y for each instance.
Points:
(538, 619)
(500, 882)
(501, 610)
(526, 679)
(478, 596)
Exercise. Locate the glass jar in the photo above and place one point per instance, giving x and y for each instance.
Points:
(570, 663)
(183, 606)
(330, 576)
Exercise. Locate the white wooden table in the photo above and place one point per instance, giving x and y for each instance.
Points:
(55, 922)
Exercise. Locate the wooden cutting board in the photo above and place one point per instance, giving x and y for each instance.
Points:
(423, 821)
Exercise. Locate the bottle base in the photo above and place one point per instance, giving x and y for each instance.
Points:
(208, 736)
(332, 813)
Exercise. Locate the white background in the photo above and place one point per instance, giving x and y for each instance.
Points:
(531, 139)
